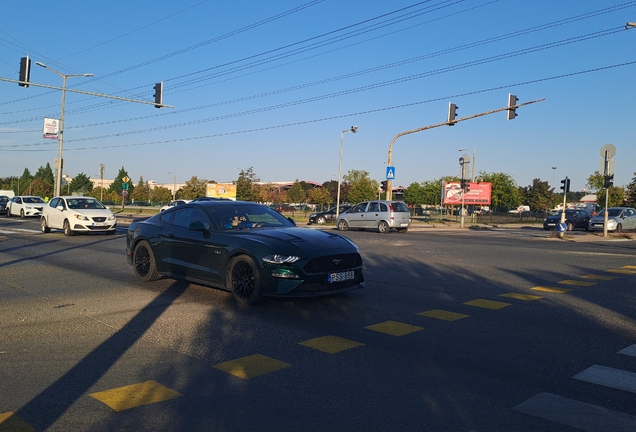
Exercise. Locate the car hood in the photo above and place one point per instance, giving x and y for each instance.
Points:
(93, 212)
(298, 237)
(554, 218)
(598, 219)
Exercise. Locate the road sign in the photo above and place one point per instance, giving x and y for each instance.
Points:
(124, 193)
(562, 227)
(124, 186)
(125, 179)
(390, 173)
(608, 151)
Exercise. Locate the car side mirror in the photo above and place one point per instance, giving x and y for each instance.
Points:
(198, 226)
(60, 208)
(291, 220)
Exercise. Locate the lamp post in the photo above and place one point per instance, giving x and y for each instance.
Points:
(174, 187)
(473, 168)
(58, 180)
(553, 174)
(353, 129)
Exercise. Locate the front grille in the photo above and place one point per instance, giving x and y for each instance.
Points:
(38, 208)
(99, 219)
(333, 263)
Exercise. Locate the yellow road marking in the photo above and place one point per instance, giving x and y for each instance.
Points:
(577, 282)
(331, 344)
(621, 271)
(394, 328)
(551, 289)
(135, 395)
(599, 277)
(251, 366)
(488, 304)
(443, 315)
(520, 296)
(633, 267)
(9, 422)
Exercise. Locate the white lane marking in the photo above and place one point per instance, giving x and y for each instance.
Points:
(609, 377)
(630, 351)
(18, 230)
(585, 416)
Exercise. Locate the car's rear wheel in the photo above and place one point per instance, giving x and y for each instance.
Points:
(619, 228)
(144, 262)
(343, 225)
(67, 229)
(321, 220)
(383, 227)
(43, 226)
(244, 280)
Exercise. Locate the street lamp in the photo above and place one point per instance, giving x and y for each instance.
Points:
(553, 175)
(353, 129)
(473, 169)
(58, 180)
(174, 187)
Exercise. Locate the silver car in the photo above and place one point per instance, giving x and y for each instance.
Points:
(619, 219)
(380, 215)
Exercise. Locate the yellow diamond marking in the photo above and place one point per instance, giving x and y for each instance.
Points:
(251, 366)
(135, 395)
(599, 277)
(551, 289)
(9, 422)
(331, 344)
(394, 328)
(443, 315)
(621, 271)
(630, 267)
(520, 296)
(487, 304)
(577, 282)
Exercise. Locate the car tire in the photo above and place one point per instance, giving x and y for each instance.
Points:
(111, 232)
(144, 262)
(402, 230)
(8, 212)
(570, 226)
(43, 226)
(67, 229)
(244, 280)
(321, 220)
(619, 228)
(21, 213)
(383, 227)
(343, 225)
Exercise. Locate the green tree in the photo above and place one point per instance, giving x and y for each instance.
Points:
(596, 182)
(81, 184)
(45, 174)
(244, 186)
(362, 188)
(320, 196)
(630, 193)
(194, 188)
(539, 196)
(116, 186)
(616, 196)
(39, 188)
(505, 193)
(24, 182)
(415, 194)
(296, 194)
(161, 194)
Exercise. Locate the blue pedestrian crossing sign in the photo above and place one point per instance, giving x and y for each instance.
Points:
(390, 173)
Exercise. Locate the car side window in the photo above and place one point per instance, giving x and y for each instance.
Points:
(167, 218)
(360, 208)
(53, 202)
(383, 207)
(184, 217)
(374, 207)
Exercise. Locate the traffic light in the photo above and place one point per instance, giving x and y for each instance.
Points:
(464, 184)
(512, 101)
(609, 181)
(565, 185)
(467, 187)
(158, 95)
(452, 113)
(25, 71)
(384, 185)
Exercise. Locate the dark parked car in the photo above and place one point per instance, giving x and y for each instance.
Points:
(284, 208)
(326, 216)
(246, 248)
(3, 204)
(573, 219)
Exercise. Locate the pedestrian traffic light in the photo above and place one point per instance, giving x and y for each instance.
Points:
(159, 95)
(467, 187)
(464, 184)
(609, 181)
(383, 185)
(452, 113)
(565, 185)
(25, 71)
(512, 102)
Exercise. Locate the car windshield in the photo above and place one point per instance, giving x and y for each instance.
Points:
(78, 204)
(612, 212)
(399, 207)
(33, 200)
(247, 217)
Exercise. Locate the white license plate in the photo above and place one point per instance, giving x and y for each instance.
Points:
(99, 223)
(340, 277)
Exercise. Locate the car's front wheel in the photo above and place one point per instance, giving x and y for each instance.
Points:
(619, 228)
(144, 262)
(67, 229)
(43, 226)
(321, 220)
(383, 227)
(21, 213)
(244, 280)
(343, 225)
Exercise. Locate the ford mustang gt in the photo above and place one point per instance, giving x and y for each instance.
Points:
(243, 247)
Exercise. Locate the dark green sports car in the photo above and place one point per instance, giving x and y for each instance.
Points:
(246, 248)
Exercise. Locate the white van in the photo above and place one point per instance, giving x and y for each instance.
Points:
(7, 193)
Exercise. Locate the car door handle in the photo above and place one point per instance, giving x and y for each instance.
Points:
(170, 236)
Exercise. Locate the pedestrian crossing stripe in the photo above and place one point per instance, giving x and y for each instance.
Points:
(331, 344)
(443, 315)
(520, 296)
(551, 289)
(630, 351)
(599, 277)
(621, 271)
(135, 395)
(609, 377)
(12, 423)
(577, 283)
(488, 304)
(394, 328)
(251, 366)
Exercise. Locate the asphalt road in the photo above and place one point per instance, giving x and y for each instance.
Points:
(456, 330)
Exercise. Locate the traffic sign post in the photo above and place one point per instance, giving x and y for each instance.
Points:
(607, 153)
(390, 173)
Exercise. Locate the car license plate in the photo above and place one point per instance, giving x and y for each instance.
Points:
(340, 277)
(99, 223)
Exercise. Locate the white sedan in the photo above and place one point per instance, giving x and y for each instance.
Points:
(174, 203)
(75, 214)
(25, 206)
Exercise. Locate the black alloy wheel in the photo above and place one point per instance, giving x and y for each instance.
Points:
(144, 262)
(244, 280)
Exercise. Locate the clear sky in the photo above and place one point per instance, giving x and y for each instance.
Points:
(271, 85)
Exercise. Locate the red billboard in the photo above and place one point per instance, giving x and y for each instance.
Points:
(478, 193)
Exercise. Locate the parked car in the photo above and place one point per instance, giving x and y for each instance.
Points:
(23, 206)
(380, 215)
(326, 216)
(284, 208)
(174, 203)
(619, 219)
(243, 247)
(4, 200)
(75, 214)
(573, 219)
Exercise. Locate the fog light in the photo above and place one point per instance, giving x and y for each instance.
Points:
(284, 274)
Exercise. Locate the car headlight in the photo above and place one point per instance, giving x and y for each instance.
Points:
(111, 217)
(28, 207)
(611, 223)
(313, 215)
(80, 217)
(280, 259)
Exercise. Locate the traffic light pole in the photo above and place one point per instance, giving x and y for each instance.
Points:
(389, 184)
